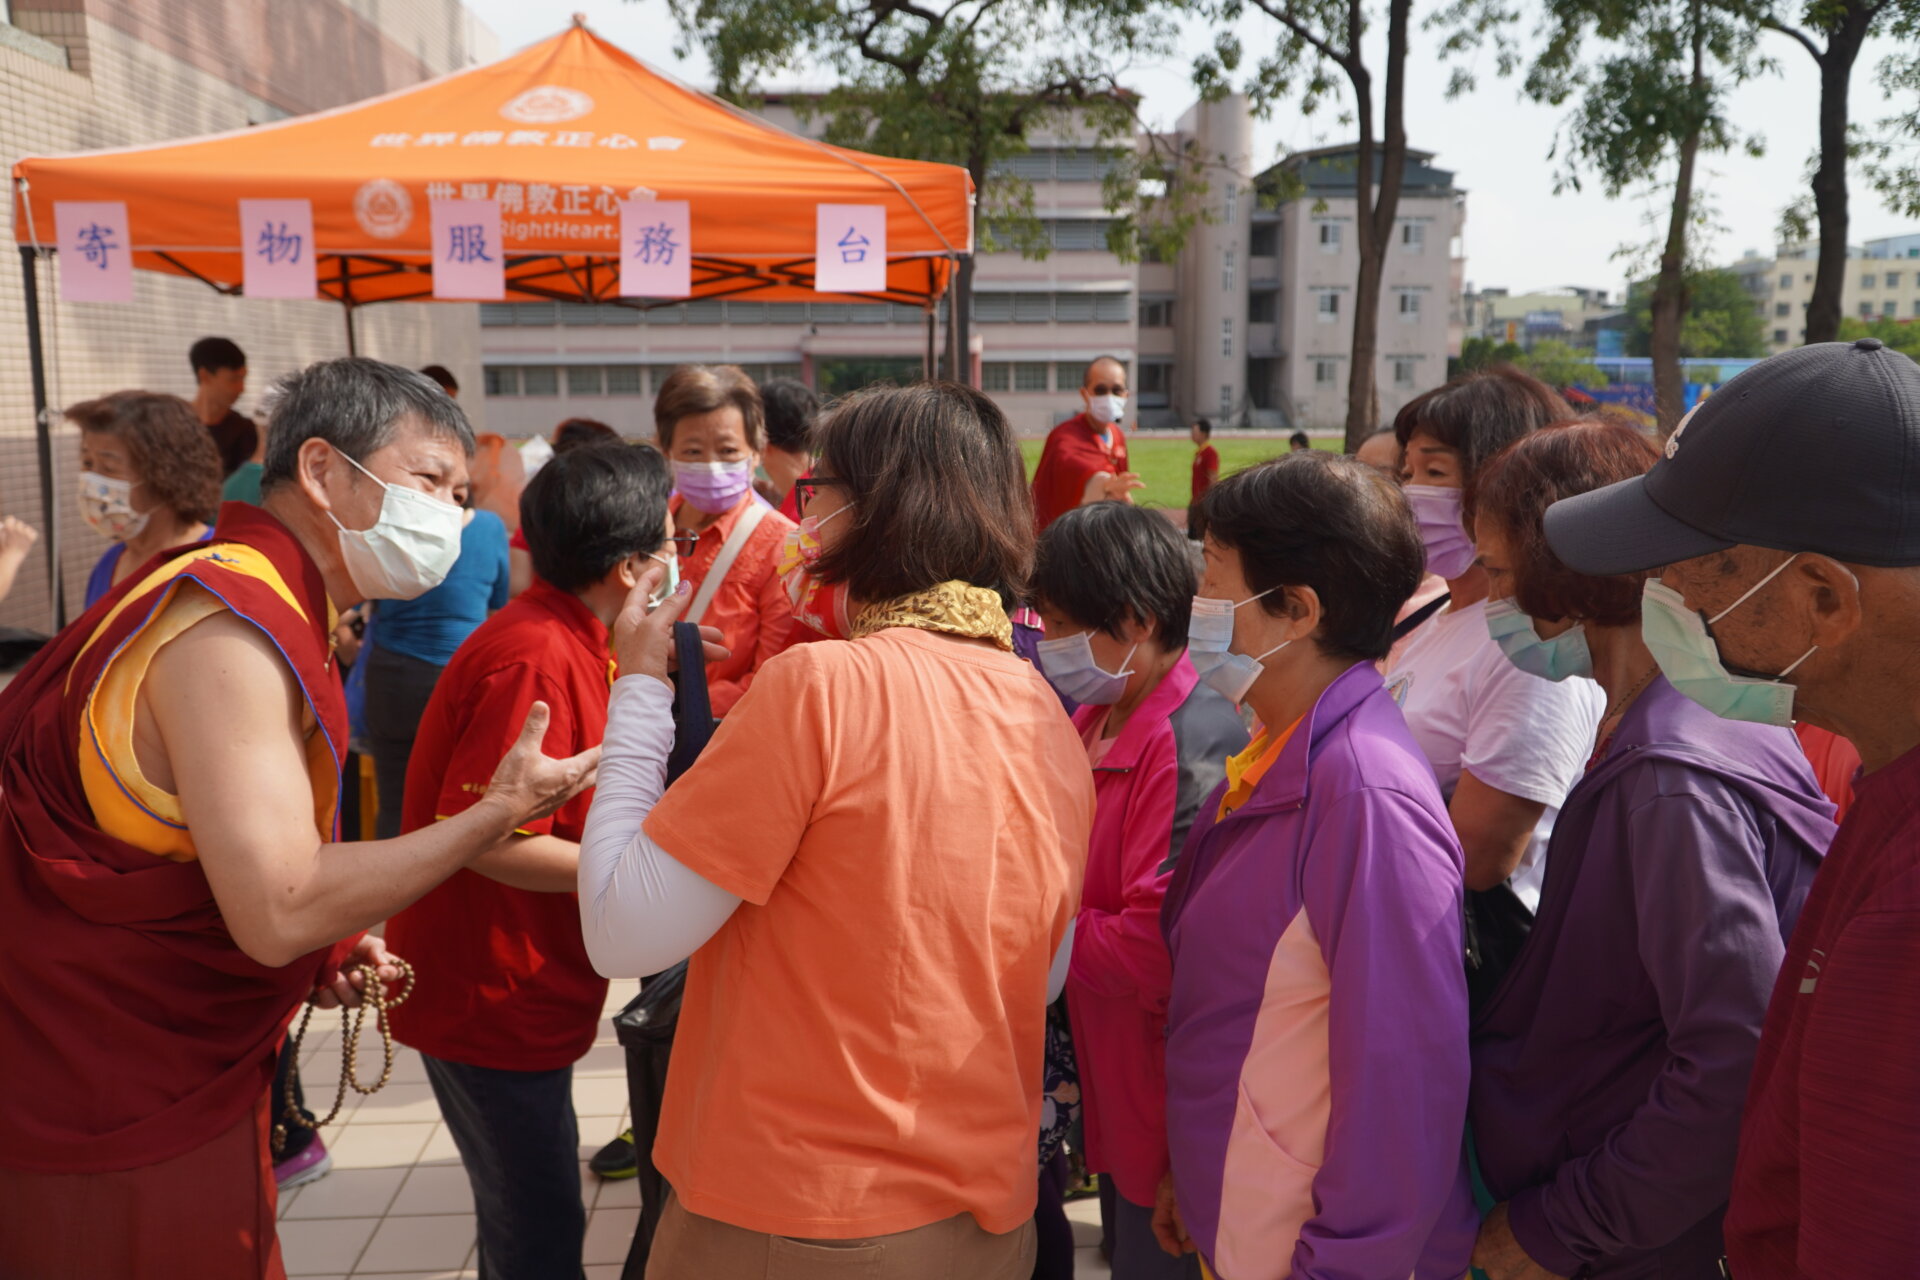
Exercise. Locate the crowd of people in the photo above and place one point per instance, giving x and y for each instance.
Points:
(1393, 865)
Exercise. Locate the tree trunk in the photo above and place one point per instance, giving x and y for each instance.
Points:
(1830, 178)
(1669, 303)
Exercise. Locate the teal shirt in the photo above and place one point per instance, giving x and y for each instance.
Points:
(243, 485)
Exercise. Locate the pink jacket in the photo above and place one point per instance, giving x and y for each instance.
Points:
(1170, 755)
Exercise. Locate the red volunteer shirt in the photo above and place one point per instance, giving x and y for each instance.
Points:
(503, 976)
(1829, 1164)
(1206, 469)
(1074, 454)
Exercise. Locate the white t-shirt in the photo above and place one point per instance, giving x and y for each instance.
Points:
(1470, 709)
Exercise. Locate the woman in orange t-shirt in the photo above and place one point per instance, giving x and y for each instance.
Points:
(874, 866)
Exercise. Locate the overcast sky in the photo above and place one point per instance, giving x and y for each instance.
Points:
(1519, 234)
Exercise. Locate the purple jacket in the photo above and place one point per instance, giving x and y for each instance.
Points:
(1610, 1067)
(1317, 1026)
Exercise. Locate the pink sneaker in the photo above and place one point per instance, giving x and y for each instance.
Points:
(310, 1164)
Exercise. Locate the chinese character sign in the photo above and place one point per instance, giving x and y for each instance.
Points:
(276, 248)
(656, 258)
(96, 253)
(850, 248)
(468, 259)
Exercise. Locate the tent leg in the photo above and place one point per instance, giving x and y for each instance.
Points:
(953, 337)
(43, 435)
(933, 341)
(352, 346)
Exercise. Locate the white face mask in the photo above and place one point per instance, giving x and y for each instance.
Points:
(411, 547)
(1210, 647)
(1070, 667)
(106, 504)
(1106, 410)
(668, 584)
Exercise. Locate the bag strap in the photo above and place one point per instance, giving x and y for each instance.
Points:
(723, 563)
(1413, 620)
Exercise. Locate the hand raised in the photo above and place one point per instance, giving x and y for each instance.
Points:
(643, 634)
(532, 784)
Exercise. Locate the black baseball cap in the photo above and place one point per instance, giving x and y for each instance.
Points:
(1816, 449)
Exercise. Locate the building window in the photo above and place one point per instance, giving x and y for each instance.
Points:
(1230, 204)
(1889, 307)
(1030, 375)
(1078, 233)
(1779, 337)
(495, 315)
(1156, 313)
(1325, 373)
(584, 380)
(1866, 281)
(1916, 306)
(1893, 279)
(1226, 336)
(1264, 240)
(1866, 311)
(1032, 308)
(1786, 282)
(1329, 237)
(1403, 373)
(1112, 308)
(1326, 307)
(1413, 237)
(624, 380)
(1782, 309)
(539, 380)
(996, 375)
(1409, 306)
(1226, 271)
(1263, 307)
(1068, 375)
(501, 380)
(1155, 389)
(1073, 308)
(1226, 398)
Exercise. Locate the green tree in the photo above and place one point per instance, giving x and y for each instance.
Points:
(1646, 85)
(1560, 365)
(1322, 43)
(1893, 153)
(1902, 337)
(1484, 353)
(1720, 320)
(1832, 32)
(968, 82)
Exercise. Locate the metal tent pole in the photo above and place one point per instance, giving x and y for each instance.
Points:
(933, 341)
(43, 434)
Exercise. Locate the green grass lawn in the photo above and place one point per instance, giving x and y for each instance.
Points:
(1167, 465)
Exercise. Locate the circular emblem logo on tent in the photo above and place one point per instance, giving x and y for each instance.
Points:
(383, 207)
(547, 104)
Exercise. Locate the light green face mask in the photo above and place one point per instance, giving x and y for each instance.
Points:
(1560, 658)
(1679, 639)
(672, 583)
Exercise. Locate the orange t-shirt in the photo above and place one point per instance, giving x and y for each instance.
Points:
(859, 1051)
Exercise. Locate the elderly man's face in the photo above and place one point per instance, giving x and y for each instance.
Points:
(1764, 634)
(428, 462)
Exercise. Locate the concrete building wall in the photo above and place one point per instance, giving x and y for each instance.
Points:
(1214, 268)
(120, 72)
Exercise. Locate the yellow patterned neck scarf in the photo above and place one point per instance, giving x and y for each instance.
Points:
(958, 608)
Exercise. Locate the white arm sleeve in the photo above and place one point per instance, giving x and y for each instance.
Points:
(1057, 976)
(641, 909)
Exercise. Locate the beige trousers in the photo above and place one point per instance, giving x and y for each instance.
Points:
(689, 1247)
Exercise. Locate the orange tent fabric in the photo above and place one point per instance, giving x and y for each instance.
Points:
(557, 134)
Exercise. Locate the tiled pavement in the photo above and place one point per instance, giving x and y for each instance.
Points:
(397, 1203)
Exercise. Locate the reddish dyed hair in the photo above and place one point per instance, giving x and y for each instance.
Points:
(1513, 490)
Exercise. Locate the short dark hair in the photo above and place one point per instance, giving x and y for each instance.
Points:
(938, 492)
(1105, 563)
(1326, 521)
(576, 432)
(1206, 428)
(1516, 486)
(1301, 439)
(171, 451)
(703, 388)
(590, 508)
(355, 405)
(790, 408)
(442, 375)
(210, 355)
(1478, 414)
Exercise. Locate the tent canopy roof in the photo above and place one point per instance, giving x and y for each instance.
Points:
(557, 133)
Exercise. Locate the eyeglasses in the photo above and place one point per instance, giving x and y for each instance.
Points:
(807, 488)
(684, 543)
(1105, 389)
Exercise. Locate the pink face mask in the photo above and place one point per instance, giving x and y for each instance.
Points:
(713, 487)
(821, 605)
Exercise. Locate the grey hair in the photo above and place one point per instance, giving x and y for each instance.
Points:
(355, 405)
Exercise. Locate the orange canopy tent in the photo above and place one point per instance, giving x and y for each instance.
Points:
(558, 135)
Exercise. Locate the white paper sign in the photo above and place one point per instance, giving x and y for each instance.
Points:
(468, 261)
(656, 258)
(96, 253)
(276, 249)
(850, 248)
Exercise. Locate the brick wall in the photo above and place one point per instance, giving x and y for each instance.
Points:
(123, 90)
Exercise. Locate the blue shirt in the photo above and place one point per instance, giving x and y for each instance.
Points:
(431, 627)
(100, 581)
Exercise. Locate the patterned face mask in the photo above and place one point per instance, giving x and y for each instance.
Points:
(821, 605)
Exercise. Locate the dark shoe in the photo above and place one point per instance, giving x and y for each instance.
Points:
(617, 1159)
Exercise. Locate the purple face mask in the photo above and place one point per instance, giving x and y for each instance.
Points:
(713, 487)
(1436, 511)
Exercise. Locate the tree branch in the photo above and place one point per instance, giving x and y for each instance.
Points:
(1785, 29)
(1345, 59)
